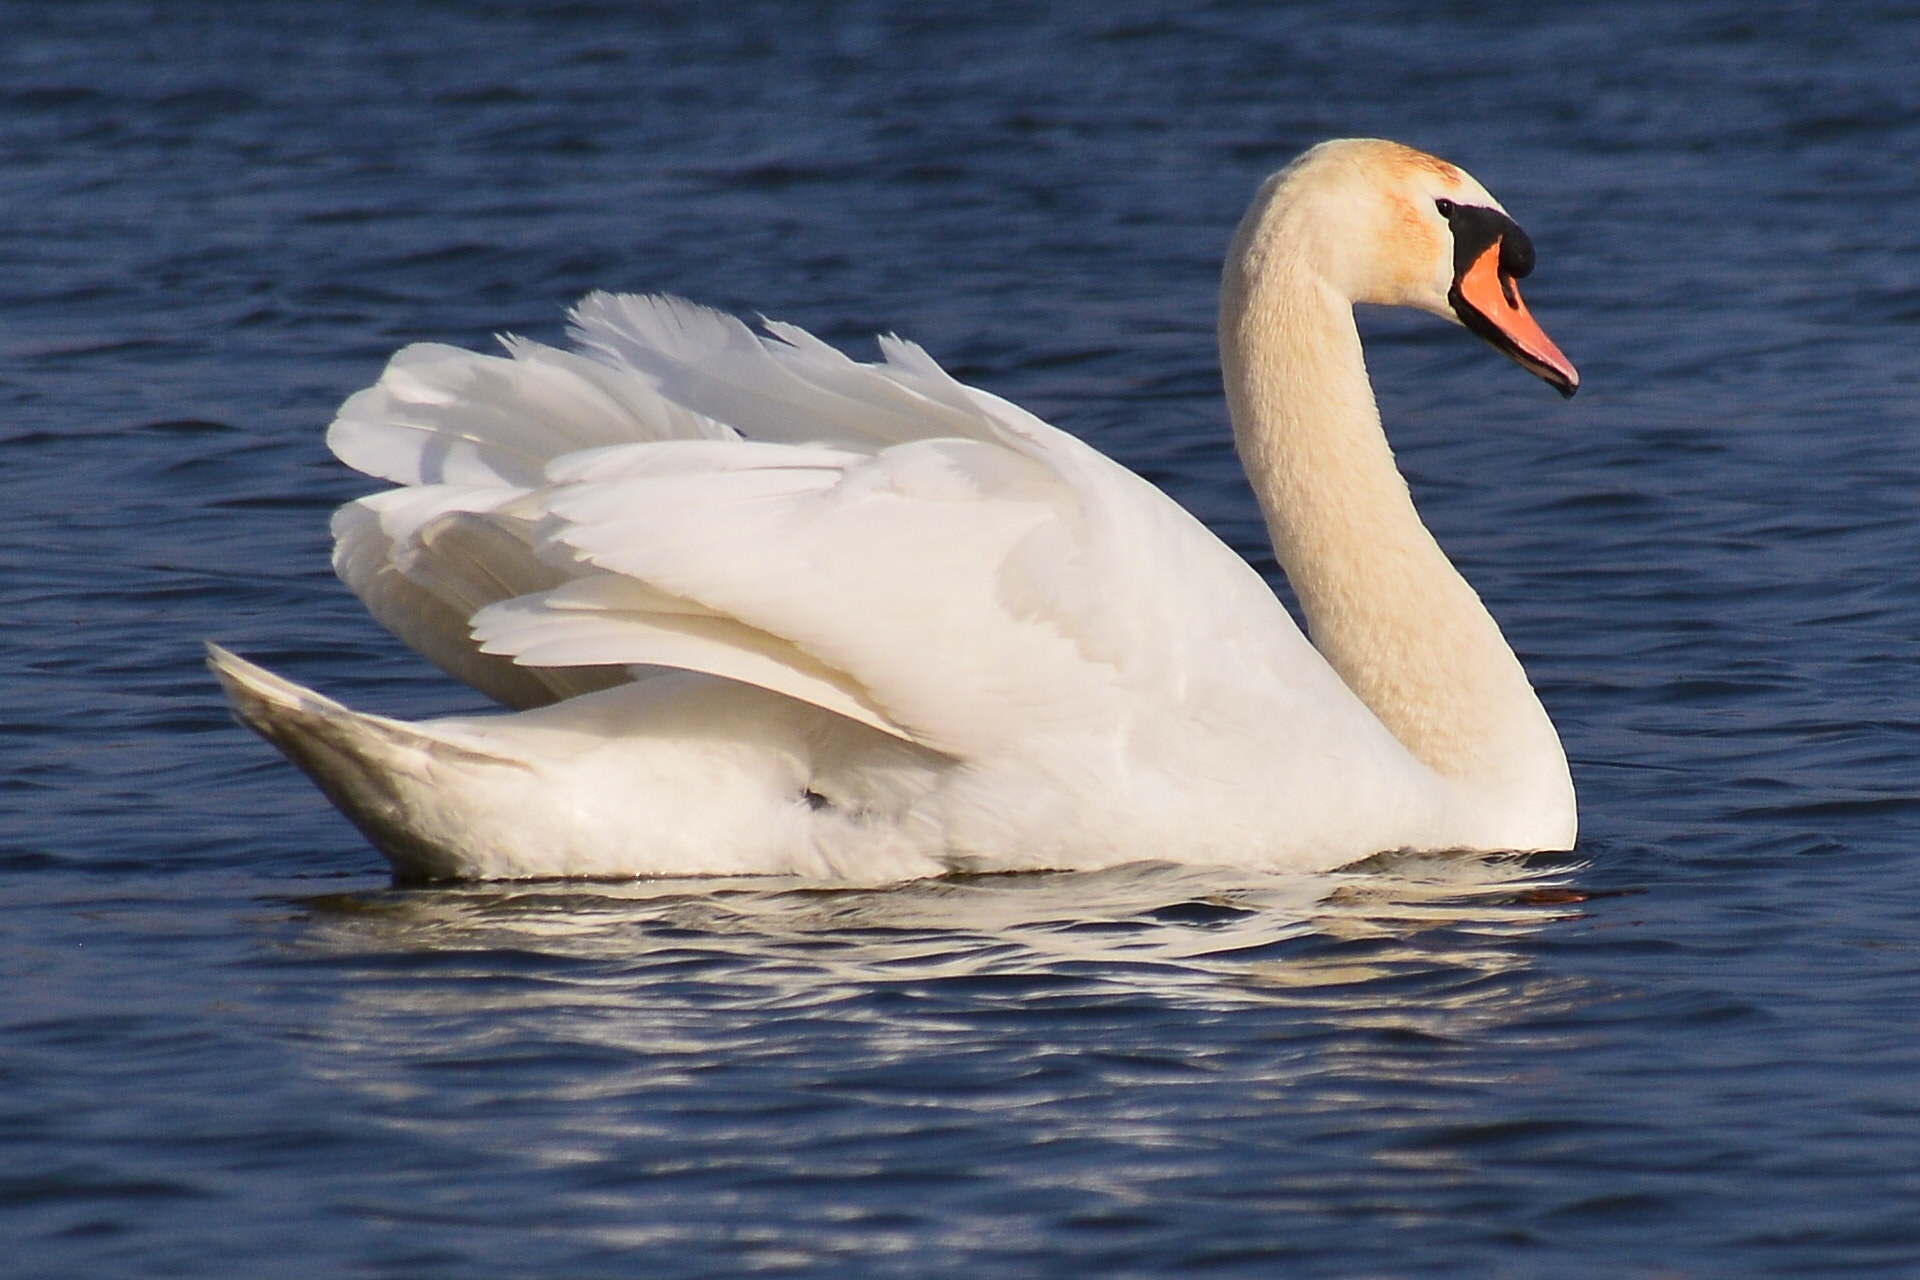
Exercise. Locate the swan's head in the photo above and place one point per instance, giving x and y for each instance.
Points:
(1387, 224)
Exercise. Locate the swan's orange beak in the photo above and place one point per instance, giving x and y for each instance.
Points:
(1487, 299)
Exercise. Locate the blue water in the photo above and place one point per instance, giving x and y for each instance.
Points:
(1692, 1049)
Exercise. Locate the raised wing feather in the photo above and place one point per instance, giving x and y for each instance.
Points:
(793, 389)
(611, 619)
(878, 540)
(424, 560)
(441, 415)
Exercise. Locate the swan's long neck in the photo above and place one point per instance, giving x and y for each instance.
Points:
(1382, 601)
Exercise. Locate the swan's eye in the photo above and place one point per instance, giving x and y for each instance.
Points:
(1445, 206)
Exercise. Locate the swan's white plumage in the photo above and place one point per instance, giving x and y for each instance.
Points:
(912, 628)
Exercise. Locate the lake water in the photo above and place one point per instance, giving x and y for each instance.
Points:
(1691, 1049)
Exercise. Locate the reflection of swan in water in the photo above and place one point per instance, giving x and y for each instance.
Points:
(1183, 932)
(663, 1065)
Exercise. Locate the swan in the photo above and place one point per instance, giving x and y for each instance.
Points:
(758, 608)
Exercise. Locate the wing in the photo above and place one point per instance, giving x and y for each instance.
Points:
(470, 437)
(878, 540)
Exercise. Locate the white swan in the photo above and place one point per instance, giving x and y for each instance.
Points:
(769, 610)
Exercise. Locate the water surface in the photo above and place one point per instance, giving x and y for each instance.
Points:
(229, 1046)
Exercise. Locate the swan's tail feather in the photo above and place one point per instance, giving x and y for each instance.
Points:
(381, 773)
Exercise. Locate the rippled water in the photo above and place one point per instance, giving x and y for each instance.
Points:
(227, 1046)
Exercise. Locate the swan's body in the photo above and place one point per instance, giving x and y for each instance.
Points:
(775, 611)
